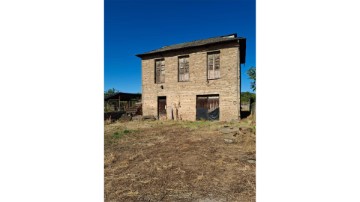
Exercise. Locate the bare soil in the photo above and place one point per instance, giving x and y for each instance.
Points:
(179, 161)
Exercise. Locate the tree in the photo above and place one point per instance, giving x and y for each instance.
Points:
(110, 92)
(246, 96)
(252, 74)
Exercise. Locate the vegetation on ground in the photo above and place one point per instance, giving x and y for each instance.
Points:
(179, 161)
(119, 134)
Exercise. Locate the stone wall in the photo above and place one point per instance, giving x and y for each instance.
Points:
(245, 107)
(182, 95)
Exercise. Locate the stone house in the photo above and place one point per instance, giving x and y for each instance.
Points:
(194, 80)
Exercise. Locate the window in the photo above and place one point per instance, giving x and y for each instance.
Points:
(160, 71)
(184, 68)
(213, 65)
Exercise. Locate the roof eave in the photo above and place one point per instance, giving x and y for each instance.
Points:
(218, 42)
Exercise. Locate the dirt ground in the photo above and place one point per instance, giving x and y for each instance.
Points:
(179, 161)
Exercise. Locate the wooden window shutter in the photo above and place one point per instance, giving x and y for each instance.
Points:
(162, 76)
(217, 65)
(157, 71)
(210, 66)
(213, 65)
(181, 69)
(186, 69)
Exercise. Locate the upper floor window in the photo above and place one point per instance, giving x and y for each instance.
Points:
(160, 71)
(184, 68)
(213, 65)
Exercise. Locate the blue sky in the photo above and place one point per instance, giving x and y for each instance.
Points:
(138, 26)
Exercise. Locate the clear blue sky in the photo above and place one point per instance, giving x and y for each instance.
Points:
(138, 26)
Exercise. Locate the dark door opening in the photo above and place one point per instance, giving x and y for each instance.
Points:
(207, 107)
(162, 108)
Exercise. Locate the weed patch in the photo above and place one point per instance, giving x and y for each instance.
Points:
(118, 135)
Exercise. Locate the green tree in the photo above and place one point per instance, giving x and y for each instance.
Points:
(110, 92)
(246, 96)
(252, 74)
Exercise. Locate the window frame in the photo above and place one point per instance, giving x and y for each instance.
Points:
(159, 80)
(188, 72)
(214, 65)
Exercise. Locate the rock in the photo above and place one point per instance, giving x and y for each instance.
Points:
(137, 118)
(229, 141)
(230, 136)
(251, 161)
(125, 117)
(227, 130)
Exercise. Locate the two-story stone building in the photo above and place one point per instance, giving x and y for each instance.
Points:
(194, 80)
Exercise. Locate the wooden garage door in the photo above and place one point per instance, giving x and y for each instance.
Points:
(207, 107)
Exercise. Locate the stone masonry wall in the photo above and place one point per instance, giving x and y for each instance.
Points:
(183, 94)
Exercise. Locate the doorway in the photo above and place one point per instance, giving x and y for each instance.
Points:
(207, 107)
(162, 108)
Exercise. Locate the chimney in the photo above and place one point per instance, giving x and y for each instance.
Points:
(230, 36)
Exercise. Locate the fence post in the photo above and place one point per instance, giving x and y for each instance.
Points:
(119, 104)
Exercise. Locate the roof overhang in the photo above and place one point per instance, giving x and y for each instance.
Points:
(240, 41)
(124, 96)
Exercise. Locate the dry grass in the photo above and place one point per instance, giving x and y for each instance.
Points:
(178, 161)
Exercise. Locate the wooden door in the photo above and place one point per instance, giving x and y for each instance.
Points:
(207, 107)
